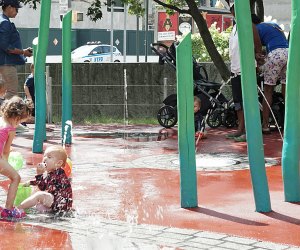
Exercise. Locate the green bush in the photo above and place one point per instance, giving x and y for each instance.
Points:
(221, 40)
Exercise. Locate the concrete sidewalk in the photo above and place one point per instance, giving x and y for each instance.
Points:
(127, 195)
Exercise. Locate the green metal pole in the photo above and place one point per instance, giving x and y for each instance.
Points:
(291, 143)
(39, 78)
(186, 130)
(251, 108)
(34, 47)
(66, 79)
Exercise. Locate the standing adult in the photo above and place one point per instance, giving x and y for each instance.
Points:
(11, 50)
(235, 68)
(272, 36)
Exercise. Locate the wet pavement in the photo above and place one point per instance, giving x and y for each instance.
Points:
(127, 195)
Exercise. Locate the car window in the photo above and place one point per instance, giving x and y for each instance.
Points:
(106, 49)
(97, 50)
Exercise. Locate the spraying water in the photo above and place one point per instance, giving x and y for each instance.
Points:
(125, 100)
(125, 107)
(68, 126)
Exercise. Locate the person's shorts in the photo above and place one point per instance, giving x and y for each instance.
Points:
(275, 67)
(236, 85)
(9, 78)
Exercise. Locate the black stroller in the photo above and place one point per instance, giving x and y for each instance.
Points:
(216, 109)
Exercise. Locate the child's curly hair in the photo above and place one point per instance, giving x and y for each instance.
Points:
(16, 107)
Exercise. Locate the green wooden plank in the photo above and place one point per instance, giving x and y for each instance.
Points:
(186, 130)
(39, 78)
(66, 132)
(291, 144)
(251, 108)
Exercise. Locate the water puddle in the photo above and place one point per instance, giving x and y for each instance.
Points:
(132, 136)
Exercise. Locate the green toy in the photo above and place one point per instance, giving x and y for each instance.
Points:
(16, 160)
(22, 194)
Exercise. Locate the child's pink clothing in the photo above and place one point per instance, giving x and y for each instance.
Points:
(4, 136)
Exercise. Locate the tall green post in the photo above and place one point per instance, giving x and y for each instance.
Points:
(251, 108)
(66, 79)
(39, 78)
(186, 130)
(291, 143)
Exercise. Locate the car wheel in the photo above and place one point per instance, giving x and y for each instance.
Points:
(116, 61)
(86, 61)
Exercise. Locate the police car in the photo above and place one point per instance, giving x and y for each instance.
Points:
(95, 52)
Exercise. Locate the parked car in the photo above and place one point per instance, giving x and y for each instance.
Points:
(95, 53)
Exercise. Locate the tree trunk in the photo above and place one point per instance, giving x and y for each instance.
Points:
(257, 7)
(260, 9)
(207, 39)
(252, 6)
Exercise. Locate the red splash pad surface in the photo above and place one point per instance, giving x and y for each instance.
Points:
(15, 235)
(225, 199)
(152, 196)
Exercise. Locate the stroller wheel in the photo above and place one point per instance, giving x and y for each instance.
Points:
(230, 119)
(167, 116)
(214, 119)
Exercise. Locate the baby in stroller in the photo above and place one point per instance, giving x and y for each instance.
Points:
(213, 102)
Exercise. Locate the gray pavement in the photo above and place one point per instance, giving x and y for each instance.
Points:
(92, 232)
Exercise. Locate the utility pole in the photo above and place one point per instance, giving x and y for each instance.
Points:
(111, 31)
(146, 31)
(137, 38)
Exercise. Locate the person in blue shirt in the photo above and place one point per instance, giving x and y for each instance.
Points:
(11, 50)
(276, 43)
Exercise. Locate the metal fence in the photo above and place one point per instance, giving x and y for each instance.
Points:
(107, 90)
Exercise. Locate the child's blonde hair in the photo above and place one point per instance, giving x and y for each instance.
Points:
(197, 100)
(60, 151)
(16, 107)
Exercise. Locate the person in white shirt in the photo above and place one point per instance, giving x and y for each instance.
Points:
(235, 68)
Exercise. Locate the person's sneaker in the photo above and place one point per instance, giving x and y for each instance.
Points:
(21, 129)
(13, 213)
(241, 138)
(266, 131)
(233, 135)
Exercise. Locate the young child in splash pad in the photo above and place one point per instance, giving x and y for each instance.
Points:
(55, 193)
(13, 112)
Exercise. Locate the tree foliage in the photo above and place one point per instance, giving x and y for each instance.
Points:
(221, 40)
(30, 3)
